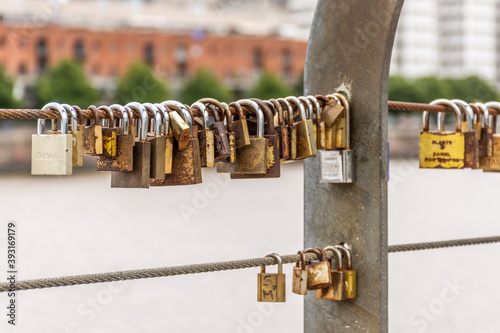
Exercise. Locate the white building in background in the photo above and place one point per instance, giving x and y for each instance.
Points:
(448, 38)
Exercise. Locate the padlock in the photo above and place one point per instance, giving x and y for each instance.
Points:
(139, 176)
(282, 130)
(318, 273)
(221, 140)
(271, 287)
(180, 129)
(471, 159)
(340, 134)
(124, 159)
(76, 132)
(332, 110)
(109, 134)
(239, 126)
(231, 136)
(350, 274)
(93, 135)
(251, 159)
(492, 164)
(273, 166)
(186, 163)
(485, 136)
(337, 166)
(169, 138)
(442, 150)
(299, 279)
(205, 137)
(292, 129)
(158, 144)
(306, 143)
(52, 154)
(318, 123)
(337, 289)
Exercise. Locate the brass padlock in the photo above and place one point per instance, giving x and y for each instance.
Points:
(271, 287)
(180, 128)
(337, 288)
(93, 135)
(251, 159)
(205, 137)
(319, 124)
(221, 140)
(273, 167)
(492, 164)
(350, 274)
(442, 150)
(332, 110)
(230, 134)
(306, 143)
(77, 133)
(186, 163)
(299, 279)
(109, 134)
(169, 138)
(139, 176)
(124, 159)
(471, 159)
(292, 129)
(238, 126)
(52, 154)
(282, 130)
(158, 143)
(318, 273)
(485, 135)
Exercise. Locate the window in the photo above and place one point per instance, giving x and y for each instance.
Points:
(149, 54)
(181, 59)
(79, 51)
(287, 64)
(22, 69)
(42, 54)
(257, 61)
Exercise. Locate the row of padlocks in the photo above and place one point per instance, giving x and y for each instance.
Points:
(327, 280)
(474, 143)
(171, 142)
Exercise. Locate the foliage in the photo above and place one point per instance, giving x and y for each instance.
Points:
(204, 84)
(270, 86)
(7, 100)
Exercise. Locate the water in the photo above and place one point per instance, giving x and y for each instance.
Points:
(76, 225)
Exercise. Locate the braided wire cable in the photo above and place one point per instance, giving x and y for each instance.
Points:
(217, 266)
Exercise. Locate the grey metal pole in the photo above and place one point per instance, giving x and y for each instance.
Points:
(350, 50)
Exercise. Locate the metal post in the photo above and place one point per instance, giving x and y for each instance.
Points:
(350, 50)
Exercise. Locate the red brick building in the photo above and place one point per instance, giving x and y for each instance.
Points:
(25, 52)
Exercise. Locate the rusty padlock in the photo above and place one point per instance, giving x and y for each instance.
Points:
(470, 135)
(239, 126)
(93, 135)
(337, 288)
(299, 278)
(158, 143)
(319, 124)
(180, 128)
(292, 129)
(169, 138)
(205, 137)
(306, 143)
(109, 133)
(318, 273)
(485, 135)
(282, 130)
(77, 157)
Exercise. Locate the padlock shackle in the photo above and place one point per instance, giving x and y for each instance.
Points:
(347, 111)
(469, 114)
(316, 251)
(62, 112)
(277, 106)
(124, 112)
(289, 108)
(203, 109)
(94, 110)
(485, 112)
(228, 116)
(158, 118)
(166, 118)
(239, 110)
(143, 133)
(111, 120)
(215, 102)
(302, 111)
(310, 107)
(74, 115)
(347, 255)
(268, 116)
(258, 112)
(79, 113)
(279, 261)
(184, 112)
(496, 106)
(335, 250)
(442, 115)
(302, 260)
(317, 106)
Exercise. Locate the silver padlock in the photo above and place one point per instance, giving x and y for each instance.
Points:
(52, 154)
(337, 166)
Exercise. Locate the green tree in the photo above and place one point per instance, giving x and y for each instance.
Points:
(270, 86)
(472, 89)
(204, 84)
(65, 82)
(401, 89)
(298, 87)
(7, 100)
(432, 88)
(140, 84)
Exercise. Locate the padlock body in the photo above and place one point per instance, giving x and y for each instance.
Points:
(232, 146)
(139, 176)
(347, 166)
(222, 149)
(299, 281)
(471, 150)
(77, 158)
(169, 151)
(492, 163)
(341, 133)
(292, 131)
(331, 111)
(321, 135)
(350, 279)
(284, 142)
(186, 166)
(124, 160)
(336, 290)
(109, 142)
(485, 139)
(250, 159)
(273, 166)
(330, 138)
(271, 287)
(93, 140)
(52, 155)
(318, 275)
(158, 146)
(207, 148)
(180, 129)
(306, 143)
(442, 150)
(331, 166)
(240, 129)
